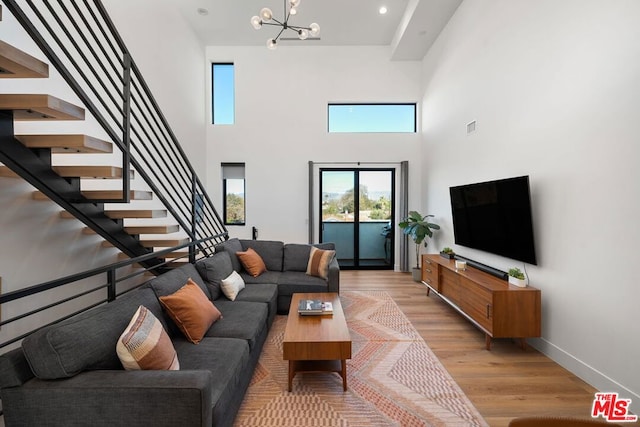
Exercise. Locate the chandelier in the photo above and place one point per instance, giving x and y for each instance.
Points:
(266, 18)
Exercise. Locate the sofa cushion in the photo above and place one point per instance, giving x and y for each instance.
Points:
(297, 281)
(86, 341)
(319, 260)
(270, 251)
(191, 311)
(171, 281)
(266, 277)
(231, 246)
(144, 344)
(296, 255)
(266, 293)
(213, 269)
(240, 319)
(228, 360)
(232, 285)
(14, 369)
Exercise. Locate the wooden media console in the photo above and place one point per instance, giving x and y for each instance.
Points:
(499, 309)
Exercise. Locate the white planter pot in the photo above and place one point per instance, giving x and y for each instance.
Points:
(518, 282)
(417, 274)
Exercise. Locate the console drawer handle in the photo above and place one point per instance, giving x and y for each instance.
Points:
(427, 270)
(488, 308)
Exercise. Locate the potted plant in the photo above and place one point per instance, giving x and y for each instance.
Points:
(516, 277)
(418, 228)
(447, 252)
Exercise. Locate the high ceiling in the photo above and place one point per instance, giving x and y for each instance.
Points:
(409, 27)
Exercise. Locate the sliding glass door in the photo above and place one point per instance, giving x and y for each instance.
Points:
(356, 211)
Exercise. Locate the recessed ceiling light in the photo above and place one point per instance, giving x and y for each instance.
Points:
(202, 11)
(382, 10)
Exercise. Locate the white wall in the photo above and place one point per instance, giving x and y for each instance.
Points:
(171, 58)
(554, 88)
(281, 125)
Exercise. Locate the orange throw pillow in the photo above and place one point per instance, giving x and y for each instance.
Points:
(252, 262)
(191, 311)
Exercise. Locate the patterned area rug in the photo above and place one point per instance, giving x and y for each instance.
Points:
(393, 378)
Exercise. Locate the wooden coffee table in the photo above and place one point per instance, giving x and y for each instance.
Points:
(317, 343)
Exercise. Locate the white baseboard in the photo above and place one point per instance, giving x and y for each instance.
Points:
(587, 373)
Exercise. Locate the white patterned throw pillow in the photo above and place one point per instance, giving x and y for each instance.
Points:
(144, 344)
(232, 285)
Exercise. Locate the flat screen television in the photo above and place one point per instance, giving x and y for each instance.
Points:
(495, 217)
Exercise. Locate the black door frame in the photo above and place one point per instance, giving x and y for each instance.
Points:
(356, 218)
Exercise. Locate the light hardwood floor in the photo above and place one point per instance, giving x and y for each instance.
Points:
(504, 383)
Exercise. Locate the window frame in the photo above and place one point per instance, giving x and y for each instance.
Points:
(381, 104)
(213, 93)
(224, 194)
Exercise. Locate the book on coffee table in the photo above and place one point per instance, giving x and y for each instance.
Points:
(307, 307)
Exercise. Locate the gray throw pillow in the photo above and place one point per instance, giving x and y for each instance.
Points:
(232, 246)
(213, 270)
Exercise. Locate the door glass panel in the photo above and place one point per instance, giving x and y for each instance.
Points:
(338, 213)
(375, 215)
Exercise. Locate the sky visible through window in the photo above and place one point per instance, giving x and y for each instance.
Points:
(343, 118)
(223, 94)
(374, 118)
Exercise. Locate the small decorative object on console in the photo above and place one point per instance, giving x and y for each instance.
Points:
(516, 277)
(461, 265)
(447, 253)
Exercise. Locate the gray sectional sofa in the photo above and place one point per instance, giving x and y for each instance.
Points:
(69, 374)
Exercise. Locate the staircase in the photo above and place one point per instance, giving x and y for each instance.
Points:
(104, 77)
(19, 151)
(29, 156)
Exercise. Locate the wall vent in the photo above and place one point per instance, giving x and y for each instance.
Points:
(471, 127)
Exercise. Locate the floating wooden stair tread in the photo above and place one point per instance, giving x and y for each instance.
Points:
(144, 229)
(27, 107)
(177, 254)
(104, 195)
(15, 63)
(136, 214)
(103, 172)
(66, 143)
(152, 229)
(116, 194)
(123, 257)
(5, 172)
(161, 243)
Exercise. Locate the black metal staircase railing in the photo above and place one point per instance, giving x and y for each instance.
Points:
(102, 291)
(82, 43)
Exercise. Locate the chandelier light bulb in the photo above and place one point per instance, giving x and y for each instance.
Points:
(293, 11)
(294, 3)
(315, 29)
(256, 22)
(303, 34)
(266, 14)
(272, 44)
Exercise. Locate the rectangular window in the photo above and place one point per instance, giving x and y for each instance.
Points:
(373, 118)
(223, 98)
(233, 193)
